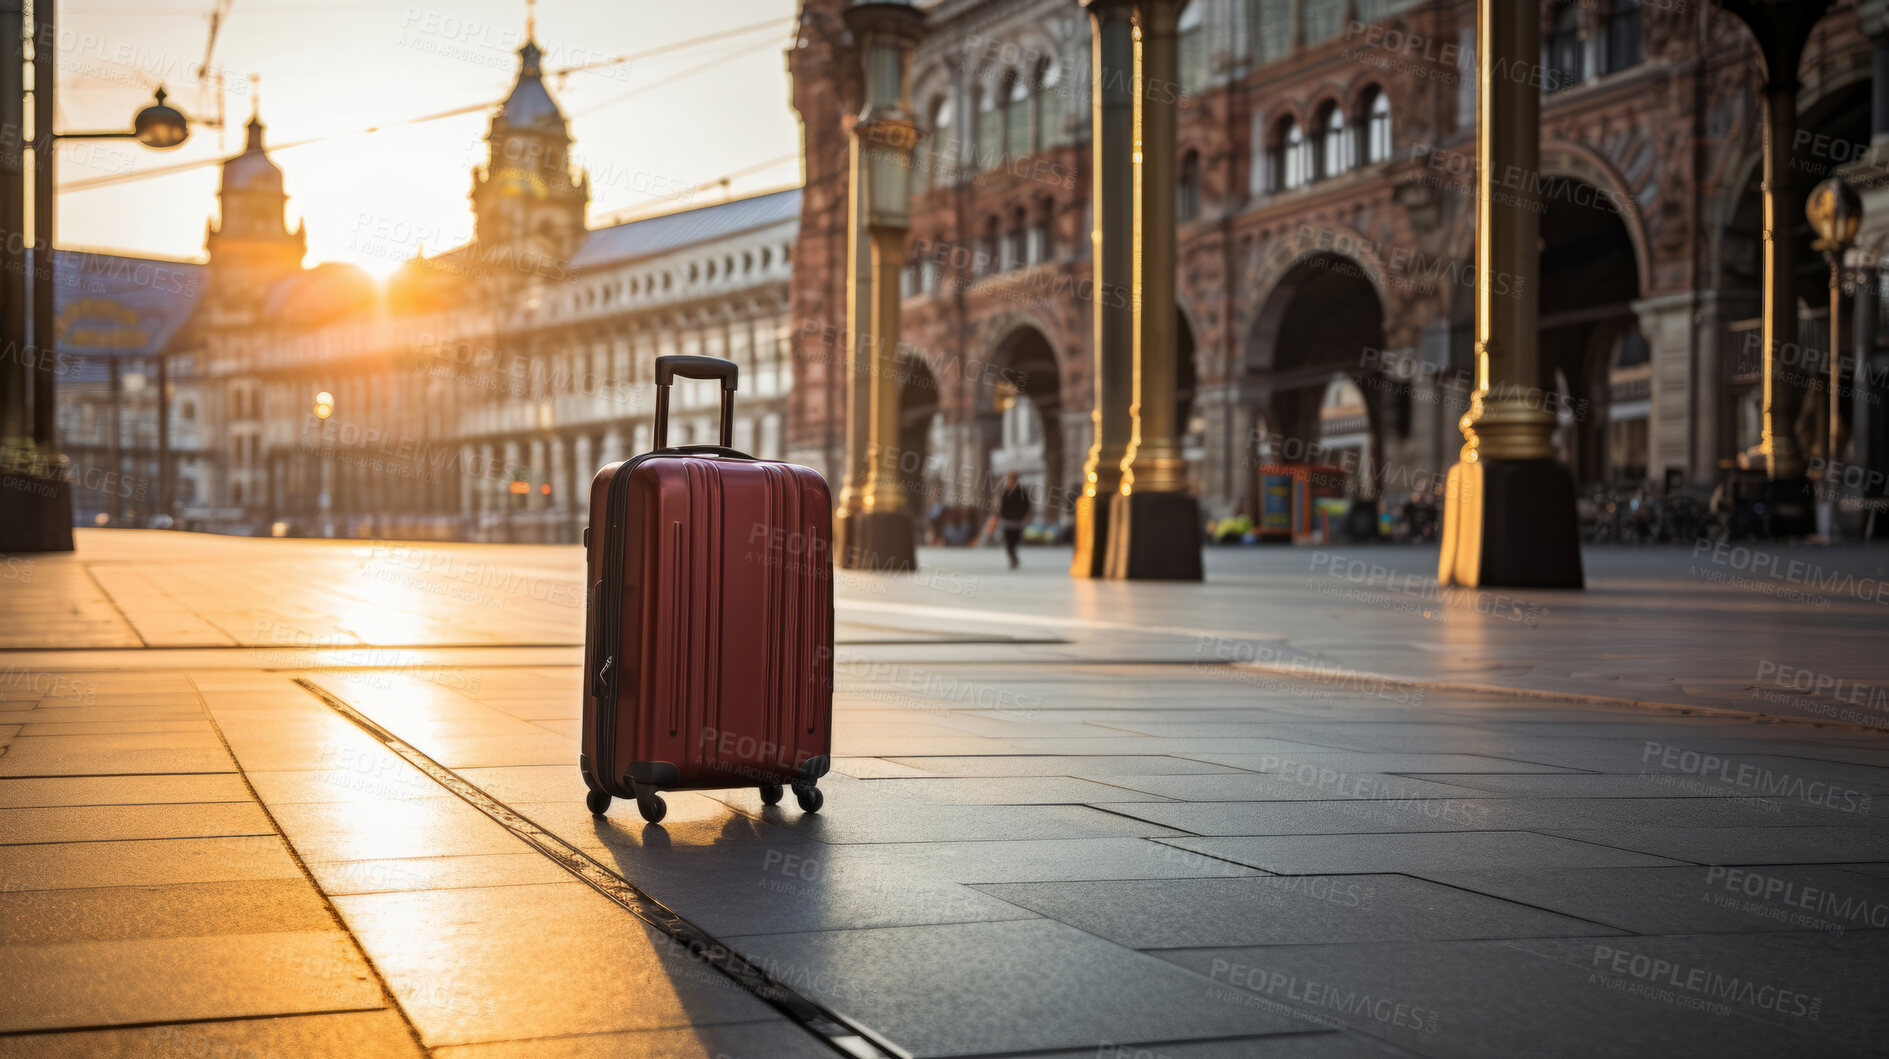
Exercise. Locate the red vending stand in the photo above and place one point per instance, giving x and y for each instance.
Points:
(1301, 502)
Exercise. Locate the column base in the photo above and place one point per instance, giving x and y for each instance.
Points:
(877, 540)
(1154, 537)
(1789, 508)
(35, 513)
(1511, 524)
(1092, 517)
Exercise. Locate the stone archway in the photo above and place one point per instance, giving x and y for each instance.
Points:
(919, 405)
(1833, 129)
(1590, 278)
(1323, 320)
(1019, 414)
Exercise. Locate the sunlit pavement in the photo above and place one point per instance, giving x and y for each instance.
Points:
(1311, 808)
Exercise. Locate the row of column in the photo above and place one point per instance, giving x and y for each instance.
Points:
(1509, 517)
(1136, 517)
(486, 476)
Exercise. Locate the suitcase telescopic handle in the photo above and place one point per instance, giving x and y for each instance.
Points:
(690, 366)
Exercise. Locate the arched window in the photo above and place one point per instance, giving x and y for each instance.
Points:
(1187, 192)
(1334, 142)
(990, 132)
(1016, 253)
(1047, 103)
(940, 154)
(1566, 58)
(1193, 49)
(1017, 117)
(985, 260)
(1377, 137)
(1042, 243)
(1291, 157)
(1626, 40)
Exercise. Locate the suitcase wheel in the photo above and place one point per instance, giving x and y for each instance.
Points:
(598, 801)
(652, 807)
(771, 793)
(810, 799)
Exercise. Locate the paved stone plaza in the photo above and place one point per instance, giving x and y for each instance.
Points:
(1311, 808)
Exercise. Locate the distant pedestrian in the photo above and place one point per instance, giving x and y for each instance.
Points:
(1013, 509)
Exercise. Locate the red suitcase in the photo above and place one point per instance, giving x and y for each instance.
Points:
(708, 650)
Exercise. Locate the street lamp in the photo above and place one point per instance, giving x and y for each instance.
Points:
(28, 321)
(160, 126)
(1835, 212)
(324, 408)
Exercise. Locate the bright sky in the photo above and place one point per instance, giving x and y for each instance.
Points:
(331, 69)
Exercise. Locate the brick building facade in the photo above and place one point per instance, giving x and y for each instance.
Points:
(1327, 261)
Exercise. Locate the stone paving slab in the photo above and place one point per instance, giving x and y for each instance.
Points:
(371, 780)
(140, 863)
(1013, 790)
(945, 823)
(399, 874)
(1317, 786)
(1439, 851)
(176, 910)
(1288, 910)
(1694, 900)
(39, 712)
(1359, 761)
(431, 827)
(475, 965)
(1324, 1045)
(75, 755)
(777, 887)
(96, 823)
(1498, 999)
(1746, 845)
(1590, 785)
(176, 979)
(121, 790)
(1096, 766)
(1057, 860)
(739, 1040)
(993, 987)
(364, 1034)
(1304, 817)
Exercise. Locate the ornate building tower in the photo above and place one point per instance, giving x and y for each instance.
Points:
(250, 246)
(528, 202)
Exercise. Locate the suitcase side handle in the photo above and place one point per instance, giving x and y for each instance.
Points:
(691, 366)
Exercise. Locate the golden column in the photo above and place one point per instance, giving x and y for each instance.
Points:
(1154, 517)
(1508, 516)
(873, 525)
(1111, 153)
(1781, 28)
(858, 351)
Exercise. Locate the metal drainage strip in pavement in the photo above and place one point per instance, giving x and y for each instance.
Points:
(845, 1035)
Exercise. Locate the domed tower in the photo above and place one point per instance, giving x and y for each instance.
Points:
(250, 245)
(528, 202)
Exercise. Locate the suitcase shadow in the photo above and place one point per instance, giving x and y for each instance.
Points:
(729, 873)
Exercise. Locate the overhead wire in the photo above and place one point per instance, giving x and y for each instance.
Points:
(202, 163)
